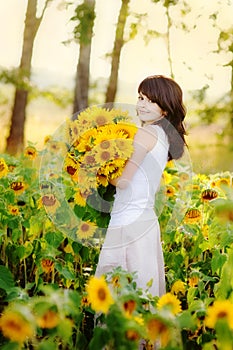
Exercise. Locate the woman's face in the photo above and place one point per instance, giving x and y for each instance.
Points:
(147, 111)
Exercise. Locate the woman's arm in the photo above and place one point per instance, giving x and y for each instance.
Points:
(144, 140)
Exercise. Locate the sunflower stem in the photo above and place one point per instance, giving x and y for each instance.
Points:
(3, 250)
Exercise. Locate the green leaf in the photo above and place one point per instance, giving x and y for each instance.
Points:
(47, 345)
(76, 247)
(79, 211)
(84, 253)
(10, 346)
(64, 271)
(100, 339)
(54, 238)
(218, 260)
(186, 321)
(6, 278)
(65, 330)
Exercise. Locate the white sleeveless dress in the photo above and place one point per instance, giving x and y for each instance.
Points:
(133, 236)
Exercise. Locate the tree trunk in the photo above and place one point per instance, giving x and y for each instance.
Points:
(82, 78)
(118, 44)
(15, 140)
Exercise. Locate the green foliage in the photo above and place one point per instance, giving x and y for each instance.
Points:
(43, 273)
(85, 16)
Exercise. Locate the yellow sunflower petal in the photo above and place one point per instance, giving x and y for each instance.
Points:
(86, 230)
(99, 294)
(3, 168)
(170, 302)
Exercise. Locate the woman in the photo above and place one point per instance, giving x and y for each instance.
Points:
(133, 236)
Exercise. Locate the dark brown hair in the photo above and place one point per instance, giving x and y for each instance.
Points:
(168, 96)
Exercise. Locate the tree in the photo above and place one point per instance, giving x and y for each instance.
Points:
(225, 44)
(118, 44)
(184, 9)
(83, 32)
(15, 140)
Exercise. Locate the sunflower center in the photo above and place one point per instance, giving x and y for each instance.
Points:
(102, 294)
(2, 167)
(16, 327)
(105, 156)
(101, 120)
(89, 159)
(222, 314)
(105, 144)
(16, 186)
(85, 227)
(70, 170)
(48, 200)
(209, 194)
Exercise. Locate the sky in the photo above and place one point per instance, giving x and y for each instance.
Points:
(137, 60)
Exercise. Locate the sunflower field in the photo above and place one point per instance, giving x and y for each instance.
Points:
(49, 296)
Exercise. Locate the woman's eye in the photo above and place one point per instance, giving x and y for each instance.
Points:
(140, 98)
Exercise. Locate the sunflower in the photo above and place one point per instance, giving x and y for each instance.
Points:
(167, 177)
(192, 216)
(195, 187)
(109, 132)
(13, 209)
(101, 116)
(71, 165)
(171, 302)
(178, 287)
(47, 265)
(124, 148)
(220, 310)
(132, 335)
(158, 330)
(80, 198)
(102, 179)
(118, 114)
(50, 319)
(89, 160)
(72, 131)
(116, 281)
(86, 178)
(83, 121)
(170, 191)
(85, 301)
(30, 152)
(104, 156)
(170, 164)
(129, 306)
(50, 202)
(18, 187)
(183, 176)
(86, 141)
(3, 168)
(55, 147)
(99, 294)
(224, 181)
(193, 280)
(86, 230)
(15, 327)
(209, 194)
(114, 168)
(126, 130)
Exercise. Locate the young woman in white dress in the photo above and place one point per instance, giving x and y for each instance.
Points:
(133, 236)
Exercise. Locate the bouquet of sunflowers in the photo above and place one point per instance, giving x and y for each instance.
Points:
(98, 144)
